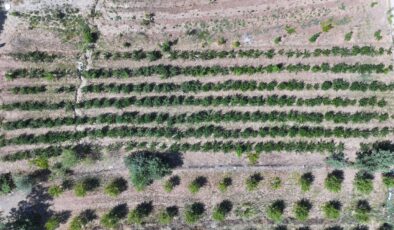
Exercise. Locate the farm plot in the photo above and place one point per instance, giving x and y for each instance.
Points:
(273, 115)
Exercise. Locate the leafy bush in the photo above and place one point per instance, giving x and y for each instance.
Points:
(388, 179)
(194, 212)
(290, 30)
(221, 210)
(236, 44)
(253, 181)
(40, 162)
(306, 181)
(137, 215)
(55, 190)
(275, 210)
(197, 184)
(69, 158)
(166, 216)
(362, 211)
(79, 222)
(314, 37)
(145, 168)
(112, 218)
(276, 183)
(115, 187)
(301, 209)
(378, 35)
(364, 182)
(332, 209)
(333, 181)
(6, 183)
(86, 185)
(225, 183)
(52, 223)
(171, 183)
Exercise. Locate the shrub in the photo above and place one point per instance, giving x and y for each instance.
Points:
(87, 34)
(253, 158)
(386, 226)
(171, 183)
(275, 210)
(301, 209)
(276, 183)
(166, 216)
(246, 211)
(388, 179)
(332, 209)
(69, 158)
(197, 184)
(221, 210)
(225, 183)
(145, 168)
(79, 222)
(40, 162)
(375, 160)
(6, 183)
(364, 182)
(112, 218)
(86, 185)
(278, 40)
(362, 211)
(55, 190)
(52, 223)
(194, 212)
(137, 215)
(306, 181)
(236, 44)
(333, 181)
(314, 37)
(290, 30)
(337, 160)
(378, 35)
(115, 187)
(253, 181)
(222, 41)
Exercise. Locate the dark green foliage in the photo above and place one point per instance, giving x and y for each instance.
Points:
(275, 210)
(171, 183)
(86, 185)
(166, 216)
(360, 227)
(386, 226)
(55, 190)
(337, 160)
(306, 181)
(333, 181)
(335, 227)
(375, 160)
(79, 222)
(87, 35)
(348, 36)
(378, 35)
(362, 211)
(252, 182)
(112, 218)
(137, 215)
(197, 184)
(314, 37)
(364, 182)
(332, 209)
(301, 209)
(115, 187)
(35, 56)
(52, 223)
(28, 89)
(225, 183)
(388, 179)
(221, 210)
(194, 212)
(6, 183)
(146, 167)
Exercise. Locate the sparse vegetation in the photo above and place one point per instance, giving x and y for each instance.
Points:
(225, 183)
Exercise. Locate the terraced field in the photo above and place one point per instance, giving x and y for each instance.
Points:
(275, 114)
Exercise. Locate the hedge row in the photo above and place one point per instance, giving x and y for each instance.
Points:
(28, 89)
(196, 118)
(168, 71)
(38, 73)
(35, 56)
(114, 132)
(48, 152)
(138, 55)
(197, 86)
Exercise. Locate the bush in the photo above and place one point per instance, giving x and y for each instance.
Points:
(236, 44)
(171, 183)
(332, 209)
(221, 210)
(348, 36)
(375, 160)
(52, 223)
(306, 181)
(40, 162)
(86, 185)
(112, 218)
(6, 183)
(194, 212)
(378, 35)
(388, 179)
(55, 190)
(364, 182)
(115, 187)
(145, 168)
(253, 181)
(225, 183)
(79, 222)
(333, 181)
(362, 211)
(275, 211)
(69, 158)
(197, 184)
(337, 160)
(276, 183)
(137, 215)
(166, 216)
(314, 37)
(386, 226)
(301, 209)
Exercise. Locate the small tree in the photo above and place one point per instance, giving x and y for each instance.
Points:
(301, 209)
(388, 179)
(332, 209)
(225, 183)
(112, 218)
(236, 44)
(52, 223)
(55, 190)
(333, 181)
(69, 158)
(197, 184)
(40, 162)
(171, 183)
(166, 216)
(6, 183)
(362, 211)
(306, 181)
(143, 210)
(86, 185)
(275, 211)
(115, 187)
(221, 210)
(194, 212)
(252, 182)
(375, 160)
(364, 182)
(79, 222)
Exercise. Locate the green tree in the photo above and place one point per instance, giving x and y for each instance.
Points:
(194, 212)
(52, 223)
(197, 184)
(221, 210)
(301, 209)
(86, 185)
(364, 182)
(306, 181)
(166, 216)
(112, 218)
(115, 187)
(388, 179)
(225, 183)
(252, 182)
(332, 209)
(171, 183)
(362, 211)
(275, 210)
(137, 215)
(333, 181)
